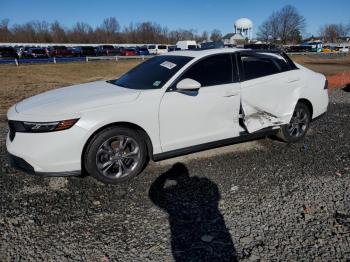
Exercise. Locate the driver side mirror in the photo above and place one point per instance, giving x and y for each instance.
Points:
(188, 84)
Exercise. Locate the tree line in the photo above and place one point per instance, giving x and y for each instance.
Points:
(109, 31)
(287, 26)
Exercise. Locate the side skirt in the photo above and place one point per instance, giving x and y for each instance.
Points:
(229, 141)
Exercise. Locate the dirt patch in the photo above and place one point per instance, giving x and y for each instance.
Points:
(339, 80)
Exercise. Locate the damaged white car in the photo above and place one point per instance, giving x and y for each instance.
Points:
(170, 105)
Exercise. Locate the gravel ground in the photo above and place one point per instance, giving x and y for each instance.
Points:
(262, 200)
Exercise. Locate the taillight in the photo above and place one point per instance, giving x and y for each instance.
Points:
(326, 85)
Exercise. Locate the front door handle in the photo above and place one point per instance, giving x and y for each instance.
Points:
(230, 93)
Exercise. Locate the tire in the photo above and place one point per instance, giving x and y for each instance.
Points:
(115, 155)
(296, 130)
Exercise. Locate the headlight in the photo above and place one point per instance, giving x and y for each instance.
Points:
(39, 127)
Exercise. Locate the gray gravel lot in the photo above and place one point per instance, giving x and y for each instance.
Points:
(262, 200)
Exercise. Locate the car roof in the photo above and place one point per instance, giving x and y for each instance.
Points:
(204, 52)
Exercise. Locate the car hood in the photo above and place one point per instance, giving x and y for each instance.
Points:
(76, 98)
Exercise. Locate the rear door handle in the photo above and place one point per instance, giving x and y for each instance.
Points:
(230, 93)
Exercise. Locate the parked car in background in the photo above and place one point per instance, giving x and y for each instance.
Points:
(84, 51)
(107, 50)
(157, 49)
(24, 51)
(59, 51)
(327, 49)
(172, 48)
(8, 52)
(142, 50)
(37, 53)
(343, 49)
(129, 51)
(169, 105)
(187, 44)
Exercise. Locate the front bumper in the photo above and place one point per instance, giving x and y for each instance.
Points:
(22, 165)
(53, 153)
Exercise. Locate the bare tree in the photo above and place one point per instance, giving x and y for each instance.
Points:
(203, 37)
(108, 32)
(81, 33)
(284, 25)
(215, 35)
(5, 33)
(42, 31)
(58, 34)
(332, 32)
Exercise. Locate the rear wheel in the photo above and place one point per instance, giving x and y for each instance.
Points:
(115, 155)
(298, 125)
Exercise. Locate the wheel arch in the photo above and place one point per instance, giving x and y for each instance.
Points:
(133, 126)
(308, 104)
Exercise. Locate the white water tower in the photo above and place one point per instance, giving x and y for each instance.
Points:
(244, 26)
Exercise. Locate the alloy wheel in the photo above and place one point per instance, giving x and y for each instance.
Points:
(299, 123)
(118, 156)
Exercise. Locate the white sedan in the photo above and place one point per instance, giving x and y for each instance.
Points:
(169, 105)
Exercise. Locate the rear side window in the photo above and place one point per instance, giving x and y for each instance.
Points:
(214, 70)
(257, 65)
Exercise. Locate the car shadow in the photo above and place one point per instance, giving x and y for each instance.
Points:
(198, 230)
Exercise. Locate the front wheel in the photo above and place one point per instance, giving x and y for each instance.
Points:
(115, 155)
(298, 125)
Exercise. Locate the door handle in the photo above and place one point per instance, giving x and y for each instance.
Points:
(231, 93)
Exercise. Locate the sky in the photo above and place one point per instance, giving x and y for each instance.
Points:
(185, 14)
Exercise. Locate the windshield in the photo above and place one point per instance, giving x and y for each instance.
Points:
(153, 73)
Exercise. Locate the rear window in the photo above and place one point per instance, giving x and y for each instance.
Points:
(108, 47)
(151, 47)
(88, 48)
(257, 65)
(162, 47)
(153, 73)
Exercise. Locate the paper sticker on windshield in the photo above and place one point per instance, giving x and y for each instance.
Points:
(168, 64)
(156, 83)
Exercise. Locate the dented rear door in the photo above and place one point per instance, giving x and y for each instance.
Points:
(268, 101)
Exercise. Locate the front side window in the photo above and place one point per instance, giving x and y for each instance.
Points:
(211, 71)
(153, 73)
(262, 64)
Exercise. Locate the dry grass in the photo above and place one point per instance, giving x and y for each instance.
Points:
(327, 65)
(17, 83)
